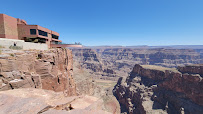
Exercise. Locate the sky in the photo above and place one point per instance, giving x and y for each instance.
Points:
(115, 22)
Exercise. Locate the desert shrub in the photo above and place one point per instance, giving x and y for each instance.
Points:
(0, 48)
(15, 47)
(12, 54)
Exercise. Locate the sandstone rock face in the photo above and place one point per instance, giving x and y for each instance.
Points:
(111, 63)
(155, 89)
(50, 70)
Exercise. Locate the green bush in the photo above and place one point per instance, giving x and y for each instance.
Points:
(15, 47)
(12, 55)
(0, 48)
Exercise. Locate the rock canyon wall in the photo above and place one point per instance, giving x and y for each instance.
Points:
(90, 60)
(111, 63)
(50, 70)
(155, 89)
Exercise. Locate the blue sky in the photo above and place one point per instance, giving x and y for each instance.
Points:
(115, 22)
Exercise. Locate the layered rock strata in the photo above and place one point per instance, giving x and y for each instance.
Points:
(50, 70)
(108, 63)
(89, 60)
(155, 89)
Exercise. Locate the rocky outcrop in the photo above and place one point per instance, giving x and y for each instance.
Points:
(33, 101)
(155, 89)
(26, 78)
(50, 70)
(192, 69)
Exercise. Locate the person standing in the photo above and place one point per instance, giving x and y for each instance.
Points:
(14, 43)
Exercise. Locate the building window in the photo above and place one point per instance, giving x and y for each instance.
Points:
(42, 33)
(33, 31)
(55, 36)
(55, 42)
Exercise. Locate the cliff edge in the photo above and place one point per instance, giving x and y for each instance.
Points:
(50, 70)
(155, 89)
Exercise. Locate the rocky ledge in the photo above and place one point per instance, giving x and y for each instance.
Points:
(155, 89)
(50, 70)
(39, 101)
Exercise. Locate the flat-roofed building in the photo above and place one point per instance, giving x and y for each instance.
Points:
(18, 29)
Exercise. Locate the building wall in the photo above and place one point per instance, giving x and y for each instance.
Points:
(6, 43)
(49, 40)
(2, 29)
(10, 27)
(21, 21)
(55, 33)
(37, 46)
(24, 31)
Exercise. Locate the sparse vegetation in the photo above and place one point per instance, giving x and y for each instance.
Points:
(154, 67)
(15, 47)
(105, 83)
(12, 54)
(0, 49)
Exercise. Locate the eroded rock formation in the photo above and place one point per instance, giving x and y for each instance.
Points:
(46, 81)
(111, 63)
(155, 89)
(50, 70)
(89, 59)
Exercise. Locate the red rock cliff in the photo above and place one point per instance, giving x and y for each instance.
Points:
(51, 70)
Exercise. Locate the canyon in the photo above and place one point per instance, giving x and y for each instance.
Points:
(155, 89)
(164, 80)
(101, 80)
(34, 81)
(110, 63)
